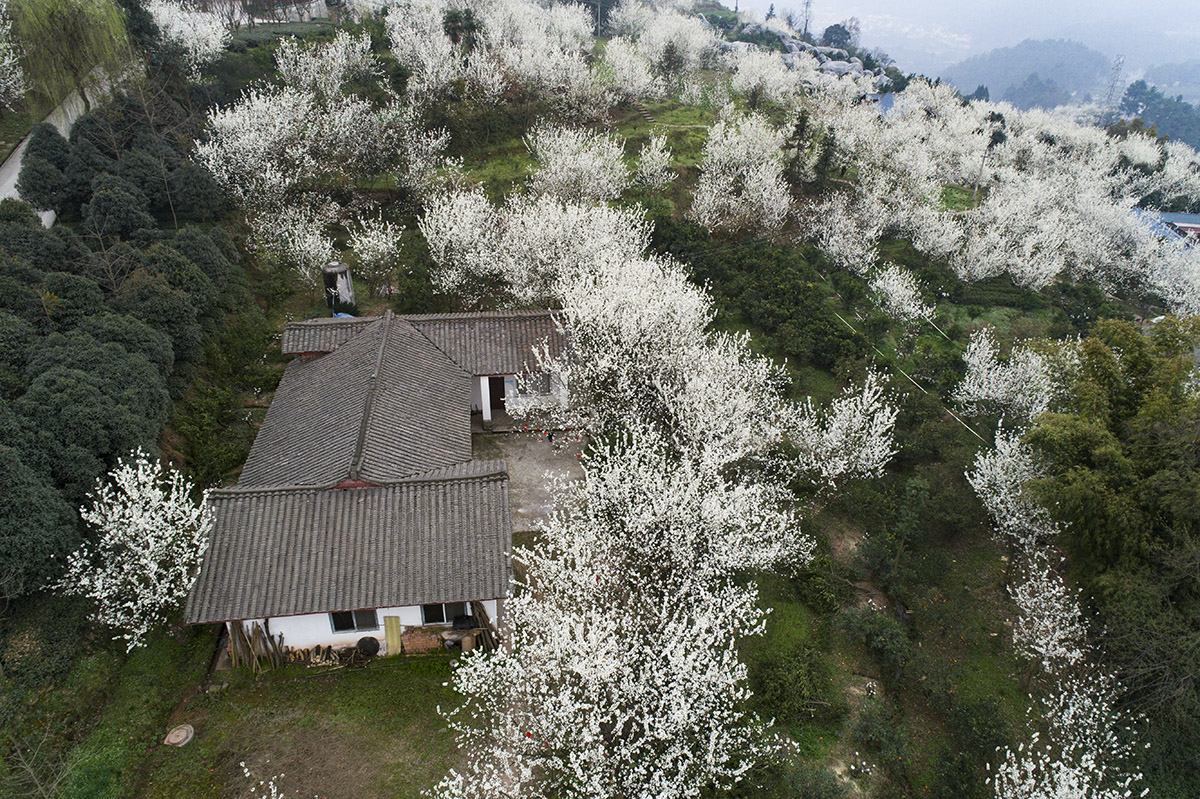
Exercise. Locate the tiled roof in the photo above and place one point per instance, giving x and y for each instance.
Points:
(322, 335)
(486, 343)
(438, 537)
(494, 343)
(385, 405)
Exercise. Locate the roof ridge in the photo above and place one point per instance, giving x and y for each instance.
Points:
(369, 400)
(451, 315)
(496, 472)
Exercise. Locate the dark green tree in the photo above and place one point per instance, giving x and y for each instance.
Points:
(116, 209)
(836, 36)
(41, 184)
(37, 527)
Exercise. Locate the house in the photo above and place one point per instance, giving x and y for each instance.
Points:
(360, 510)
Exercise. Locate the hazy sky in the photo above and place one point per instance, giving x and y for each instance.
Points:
(926, 35)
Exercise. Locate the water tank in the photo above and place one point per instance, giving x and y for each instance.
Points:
(339, 288)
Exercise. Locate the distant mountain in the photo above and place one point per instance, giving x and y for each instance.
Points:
(1034, 73)
(1174, 80)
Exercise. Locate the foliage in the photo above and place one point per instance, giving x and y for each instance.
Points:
(1169, 116)
(64, 43)
(149, 537)
(1120, 476)
(35, 525)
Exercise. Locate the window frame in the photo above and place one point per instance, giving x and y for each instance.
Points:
(446, 617)
(354, 621)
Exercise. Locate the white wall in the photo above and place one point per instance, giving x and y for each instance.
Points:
(312, 629)
(476, 395)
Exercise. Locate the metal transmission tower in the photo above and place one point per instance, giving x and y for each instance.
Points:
(1114, 84)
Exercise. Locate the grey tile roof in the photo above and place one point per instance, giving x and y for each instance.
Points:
(438, 537)
(485, 343)
(492, 343)
(322, 335)
(384, 405)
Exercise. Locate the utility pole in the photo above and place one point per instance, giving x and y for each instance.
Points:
(807, 16)
(1114, 86)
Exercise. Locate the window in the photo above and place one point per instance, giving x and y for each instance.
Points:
(351, 621)
(443, 614)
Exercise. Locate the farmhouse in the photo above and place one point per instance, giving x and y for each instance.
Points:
(360, 510)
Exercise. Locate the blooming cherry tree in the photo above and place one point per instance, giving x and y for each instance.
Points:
(150, 536)
(12, 77)
(202, 35)
(999, 479)
(1049, 625)
(376, 242)
(741, 185)
(1027, 385)
(852, 437)
(576, 165)
(654, 164)
(621, 678)
(899, 294)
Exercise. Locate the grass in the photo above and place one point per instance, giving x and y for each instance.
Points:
(355, 733)
(958, 198)
(147, 686)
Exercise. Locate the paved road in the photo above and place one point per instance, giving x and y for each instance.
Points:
(62, 117)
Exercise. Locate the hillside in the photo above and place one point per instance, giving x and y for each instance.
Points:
(879, 481)
(1034, 73)
(1176, 80)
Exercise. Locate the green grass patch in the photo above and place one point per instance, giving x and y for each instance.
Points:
(366, 732)
(145, 689)
(957, 198)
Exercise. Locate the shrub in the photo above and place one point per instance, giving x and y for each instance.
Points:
(794, 684)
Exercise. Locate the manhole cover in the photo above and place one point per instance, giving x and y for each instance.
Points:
(180, 735)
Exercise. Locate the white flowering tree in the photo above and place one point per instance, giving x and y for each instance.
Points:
(1087, 753)
(849, 438)
(741, 183)
(12, 77)
(201, 35)
(1023, 387)
(621, 676)
(149, 537)
(898, 293)
(999, 478)
(325, 68)
(654, 164)
(576, 165)
(376, 243)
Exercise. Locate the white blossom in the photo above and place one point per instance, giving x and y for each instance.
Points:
(621, 678)
(999, 478)
(1086, 754)
(899, 293)
(1023, 387)
(12, 77)
(852, 437)
(654, 164)
(297, 235)
(1049, 625)
(376, 243)
(325, 67)
(418, 37)
(150, 536)
(576, 164)
(760, 75)
(201, 34)
(741, 185)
